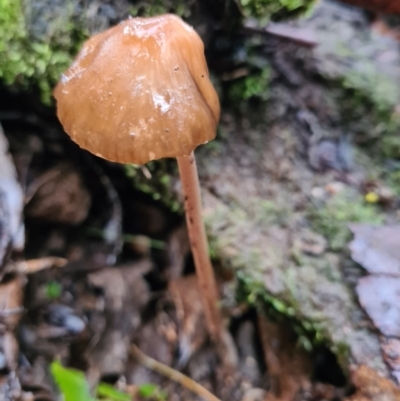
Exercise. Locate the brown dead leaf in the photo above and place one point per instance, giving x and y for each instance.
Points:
(289, 367)
(153, 340)
(379, 295)
(372, 387)
(192, 330)
(11, 299)
(113, 324)
(376, 248)
(59, 196)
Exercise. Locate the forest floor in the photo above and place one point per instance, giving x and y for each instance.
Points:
(301, 195)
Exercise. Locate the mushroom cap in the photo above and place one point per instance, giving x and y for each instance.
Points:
(139, 91)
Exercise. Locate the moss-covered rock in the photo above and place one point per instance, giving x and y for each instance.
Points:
(265, 10)
(33, 58)
(332, 217)
(259, 193)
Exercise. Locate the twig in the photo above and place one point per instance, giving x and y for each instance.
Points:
(171, 374)
(303, 36)
(34, 265)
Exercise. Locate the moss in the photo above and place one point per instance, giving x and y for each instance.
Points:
(155, 179)
(27, 62)
(252, 292)
(255, 85)
(368, 106)
(374, 87)
(265, 10)
(157, 7)
(332, 218)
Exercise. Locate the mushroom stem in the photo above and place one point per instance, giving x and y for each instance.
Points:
(198, 243)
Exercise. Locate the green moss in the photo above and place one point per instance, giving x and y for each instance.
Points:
(368, 104)
(393, 179)
(264, 10)
(25, 61)
(310, 334)
(254, 85)
(368, 107)
(373, 87)
(155, 179)
(333, 217)
(156, 7)
(390, 140)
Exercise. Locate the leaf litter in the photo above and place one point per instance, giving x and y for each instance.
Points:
(67, 300)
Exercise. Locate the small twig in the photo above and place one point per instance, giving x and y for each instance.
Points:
(34, 265)
(303, 36)
(171, 374)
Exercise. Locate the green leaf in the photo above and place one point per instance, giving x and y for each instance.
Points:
(72, 383)
(152, 391)
(148, 390)
(109, 392)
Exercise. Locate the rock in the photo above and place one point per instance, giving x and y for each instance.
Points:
(255, 211)
(379, 295)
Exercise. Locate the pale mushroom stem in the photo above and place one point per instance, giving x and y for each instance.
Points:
(199, 245)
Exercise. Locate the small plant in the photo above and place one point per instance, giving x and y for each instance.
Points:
(72, 383)
(152, 391)
(74, 387)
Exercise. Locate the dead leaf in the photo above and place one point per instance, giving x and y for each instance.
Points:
(152, 340)
(124, 293)
(192, 330)
(289, 366)
(379, 295)
(372, 387)
(11, 299)
(59, 196)
(376, 248)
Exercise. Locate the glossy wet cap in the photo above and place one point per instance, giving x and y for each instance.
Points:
(139, 91)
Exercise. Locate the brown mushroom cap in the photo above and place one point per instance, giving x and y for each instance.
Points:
(139, 91)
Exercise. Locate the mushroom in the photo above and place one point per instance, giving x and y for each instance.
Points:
(141, 91)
